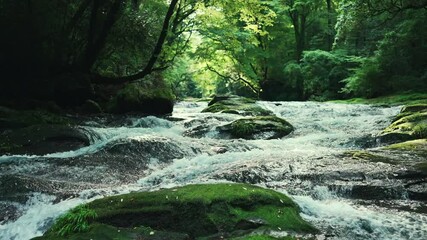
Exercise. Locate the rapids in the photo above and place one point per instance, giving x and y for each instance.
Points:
(346, 198)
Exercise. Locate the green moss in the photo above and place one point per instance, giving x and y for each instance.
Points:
(196, 210)
(365, 155)
(392, 100)
(98, 231)
(248, 127)
(415, 145)
(420, 130)
(242, 106)
(411, 125)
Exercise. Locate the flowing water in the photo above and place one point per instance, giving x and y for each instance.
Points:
(346, 198)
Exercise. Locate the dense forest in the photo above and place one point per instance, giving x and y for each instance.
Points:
(213, 119)
(69, 52)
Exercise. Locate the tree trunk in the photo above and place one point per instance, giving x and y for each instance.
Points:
(154, 55)
(96, 44)
(330, 27)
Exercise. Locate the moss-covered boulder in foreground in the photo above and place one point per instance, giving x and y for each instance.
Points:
(266, 127)
(236, 105)
(410, 124)
(213, 211)
(150, 96)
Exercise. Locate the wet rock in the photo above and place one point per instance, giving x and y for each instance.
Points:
(252, 176)
(18, 188)
(42, 139)
(236, 105)
(268, 127)
(162, 149)
(414, 108)
(196, 211)
(151, 96)
(8, 212)
(410, 124)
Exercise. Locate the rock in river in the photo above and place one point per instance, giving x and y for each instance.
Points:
(215, 211)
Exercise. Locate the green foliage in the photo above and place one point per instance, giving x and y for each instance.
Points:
(182, 79)
(392, 100)
(74, 221)
(367, 80)
(319, 75)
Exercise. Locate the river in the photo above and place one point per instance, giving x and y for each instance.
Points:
(346, 198)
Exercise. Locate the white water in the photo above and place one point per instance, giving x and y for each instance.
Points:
(322, 131)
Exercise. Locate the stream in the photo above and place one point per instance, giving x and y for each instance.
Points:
(346, 198)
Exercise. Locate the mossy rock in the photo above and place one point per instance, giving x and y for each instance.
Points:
(42, 139)
(368, 156)
(410, 124)
(265, 127)
(11, 119)
(419, 145)
(150, 96)
(236, 105)
(190, 212)
(414, 108)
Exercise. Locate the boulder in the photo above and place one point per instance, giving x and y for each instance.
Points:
(10, 119)
(265, 127)
(236, 105)
(151, 96)
(213, 211)
(42, 139)
(410, 124)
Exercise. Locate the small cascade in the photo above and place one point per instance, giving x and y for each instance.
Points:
(347, 198)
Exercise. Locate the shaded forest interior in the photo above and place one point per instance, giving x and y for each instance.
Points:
(128, 55)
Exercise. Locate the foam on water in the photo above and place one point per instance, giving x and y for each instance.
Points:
(101, 137)
(345, 220)
(322, 129)
(39, 212)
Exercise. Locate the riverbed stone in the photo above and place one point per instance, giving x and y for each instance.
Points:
(211, 211)
(410, 124)
(42, 139)
(236, 105)
(265, 127)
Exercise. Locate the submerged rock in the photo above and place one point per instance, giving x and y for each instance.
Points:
(214, 211)
(236, 105)
(266, 127)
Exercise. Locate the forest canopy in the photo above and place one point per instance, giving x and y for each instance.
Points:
(268, 49)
